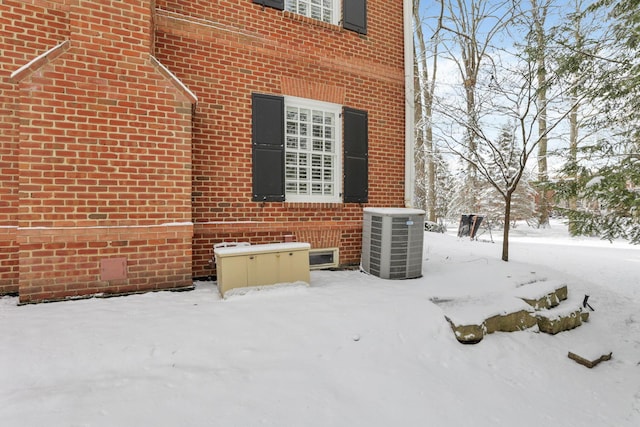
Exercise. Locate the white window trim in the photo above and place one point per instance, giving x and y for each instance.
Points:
(334, 255)
(292, 101)
(335, 12)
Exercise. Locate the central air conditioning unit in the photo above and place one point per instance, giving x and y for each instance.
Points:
(392, 242)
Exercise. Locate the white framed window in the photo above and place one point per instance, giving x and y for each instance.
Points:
(322, 10)
(313, 165)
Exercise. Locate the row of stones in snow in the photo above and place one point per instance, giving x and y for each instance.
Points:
(532, 304)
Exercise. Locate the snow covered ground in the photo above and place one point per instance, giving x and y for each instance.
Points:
(349, 350)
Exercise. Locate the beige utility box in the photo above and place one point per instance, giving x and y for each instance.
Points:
(259, 265)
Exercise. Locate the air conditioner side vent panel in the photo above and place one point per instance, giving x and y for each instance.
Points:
(392, 241)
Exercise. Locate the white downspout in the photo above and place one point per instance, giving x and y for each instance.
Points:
(409, 132)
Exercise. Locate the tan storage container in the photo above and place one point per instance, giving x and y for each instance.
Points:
(260, 265)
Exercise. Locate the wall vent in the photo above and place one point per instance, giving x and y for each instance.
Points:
(392, 242)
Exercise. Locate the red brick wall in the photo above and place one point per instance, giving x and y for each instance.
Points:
(101, 158)
(104, 137)
(27, 28)
(224, 51)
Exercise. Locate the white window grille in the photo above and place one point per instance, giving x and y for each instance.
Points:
(312, 150)
(322, 10)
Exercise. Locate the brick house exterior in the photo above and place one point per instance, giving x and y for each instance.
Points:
(137, 134)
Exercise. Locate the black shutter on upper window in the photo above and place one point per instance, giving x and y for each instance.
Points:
(276, 4)
(268, 148)
(354, 15)
(356, 156)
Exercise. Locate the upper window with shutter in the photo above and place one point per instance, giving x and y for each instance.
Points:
(322, 10)
(354, 12)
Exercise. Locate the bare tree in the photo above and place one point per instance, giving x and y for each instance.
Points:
(425, 83)
(509, 100)
(419, 157)
(538, 16)
(471, 28)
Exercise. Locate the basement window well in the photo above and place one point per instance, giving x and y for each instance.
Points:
(323, 258)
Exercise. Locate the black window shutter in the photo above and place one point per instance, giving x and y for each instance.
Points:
(356, 156)
(354, 15)
(268, 147)
(276, 4)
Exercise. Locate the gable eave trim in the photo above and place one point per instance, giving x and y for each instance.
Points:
(39, 61)
(175, 80)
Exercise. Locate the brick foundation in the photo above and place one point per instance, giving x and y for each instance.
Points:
(59, 263)
(344, 236)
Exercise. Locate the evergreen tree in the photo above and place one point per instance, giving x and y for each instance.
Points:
(609, 183)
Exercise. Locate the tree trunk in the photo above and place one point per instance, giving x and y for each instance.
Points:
(574, 126)
(573, 151)
(431, 168)
(539, 13)
(507, 226)
(543, 174)
(472, 179)
(419, 152)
